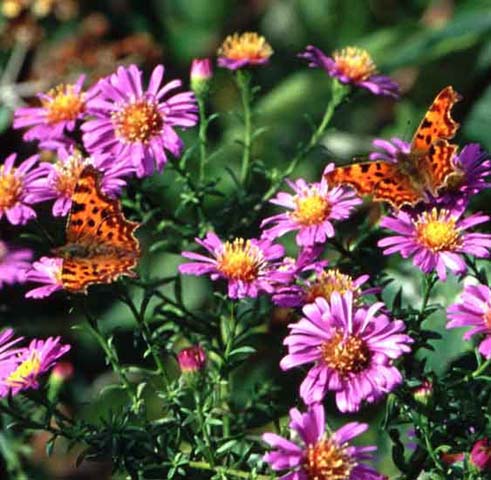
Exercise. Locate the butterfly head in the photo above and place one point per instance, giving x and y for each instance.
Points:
(73, 250)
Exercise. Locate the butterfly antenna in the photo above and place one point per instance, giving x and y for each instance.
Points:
(45, 233)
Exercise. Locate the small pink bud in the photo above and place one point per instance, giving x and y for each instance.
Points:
(201, 73)
(481, 454)
(62, 371)
(191, 359)
(423, 392)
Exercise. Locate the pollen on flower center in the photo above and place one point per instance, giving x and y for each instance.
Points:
(325, 460)
(65, 104)
(138, 121)
(355, 63)
(69, 173)
(346, 355)
(28, 368)
(328, 282)
(437, 231)
(240, 260)
(312, 209)
(248, 46)
(10, 189)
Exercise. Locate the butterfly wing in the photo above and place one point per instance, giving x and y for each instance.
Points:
(97, 227)
(382, 180)
(438, 123)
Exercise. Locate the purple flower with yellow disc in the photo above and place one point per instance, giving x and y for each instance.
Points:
(15, 189)
(473, 309)
(352, 349)
(136, 125)
(354, 66)
(23, 371)
(14, 263)
(436, 239)
(244, 50)
(249, 266)
(312, 210)
(317, 453)
(60, 109)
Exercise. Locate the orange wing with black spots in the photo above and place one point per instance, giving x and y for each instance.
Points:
(427, 167)
(100, 245)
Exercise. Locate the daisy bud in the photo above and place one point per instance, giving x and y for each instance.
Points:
(191, 359)
(423, 393)
(200, 75)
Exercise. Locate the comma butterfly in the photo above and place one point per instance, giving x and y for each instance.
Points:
(100, 242)
(426, 168)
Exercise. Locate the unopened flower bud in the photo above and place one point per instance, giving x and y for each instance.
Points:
(200, 75)
(62, 372)
(191, 359)
(481, 454)
(423, 392)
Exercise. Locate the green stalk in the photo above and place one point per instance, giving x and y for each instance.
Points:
(229, 472)
(203, 141)
(244, 84)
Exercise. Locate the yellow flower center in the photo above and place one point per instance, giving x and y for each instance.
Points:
(437, 231)
(327, 460)
(29, 368)
(355, 63)
(346, 355)
(328, 282)
(10, 189)
(64, 104)
(248, 46)
(12, 8)
(240, 260)
(311, 209)
(69, 172)
(487, 316)
(138, 122)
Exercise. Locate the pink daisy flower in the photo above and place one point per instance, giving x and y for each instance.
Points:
(473, 309)
(313, 208)
(436, 239)
(319, 454)
(352, 349)
(136, 125)
(60, 109)
(15, 187)
(354, 66)
(22, 372)
(14, 262)
(46, 271)
(248, 265)
(59, 179)
(244, 50)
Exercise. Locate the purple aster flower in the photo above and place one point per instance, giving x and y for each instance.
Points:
(14, 262)
(134, 125)
(15, 187)
(313, 208)
(60, 109)
(247, 265)
(390, 151)
(6, 343)
(352, 349)
(244, 50)
(317, 454)
(354, 66)
(23, 371)
(436, 239)
(46, 271)
(473, 309)
(320, 283)
(60, 179)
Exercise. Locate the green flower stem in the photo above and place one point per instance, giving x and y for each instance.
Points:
(202, 426)
(229, 472)
(146, 332)
(243, 79)
(481, 369)
(112, 357)
(429, 283)
(338, 93)
(203, 140)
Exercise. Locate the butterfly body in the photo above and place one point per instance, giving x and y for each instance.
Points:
(425, 169)
(100, 244)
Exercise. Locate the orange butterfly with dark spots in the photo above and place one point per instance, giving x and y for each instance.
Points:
(100, 244)
(426, 168)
